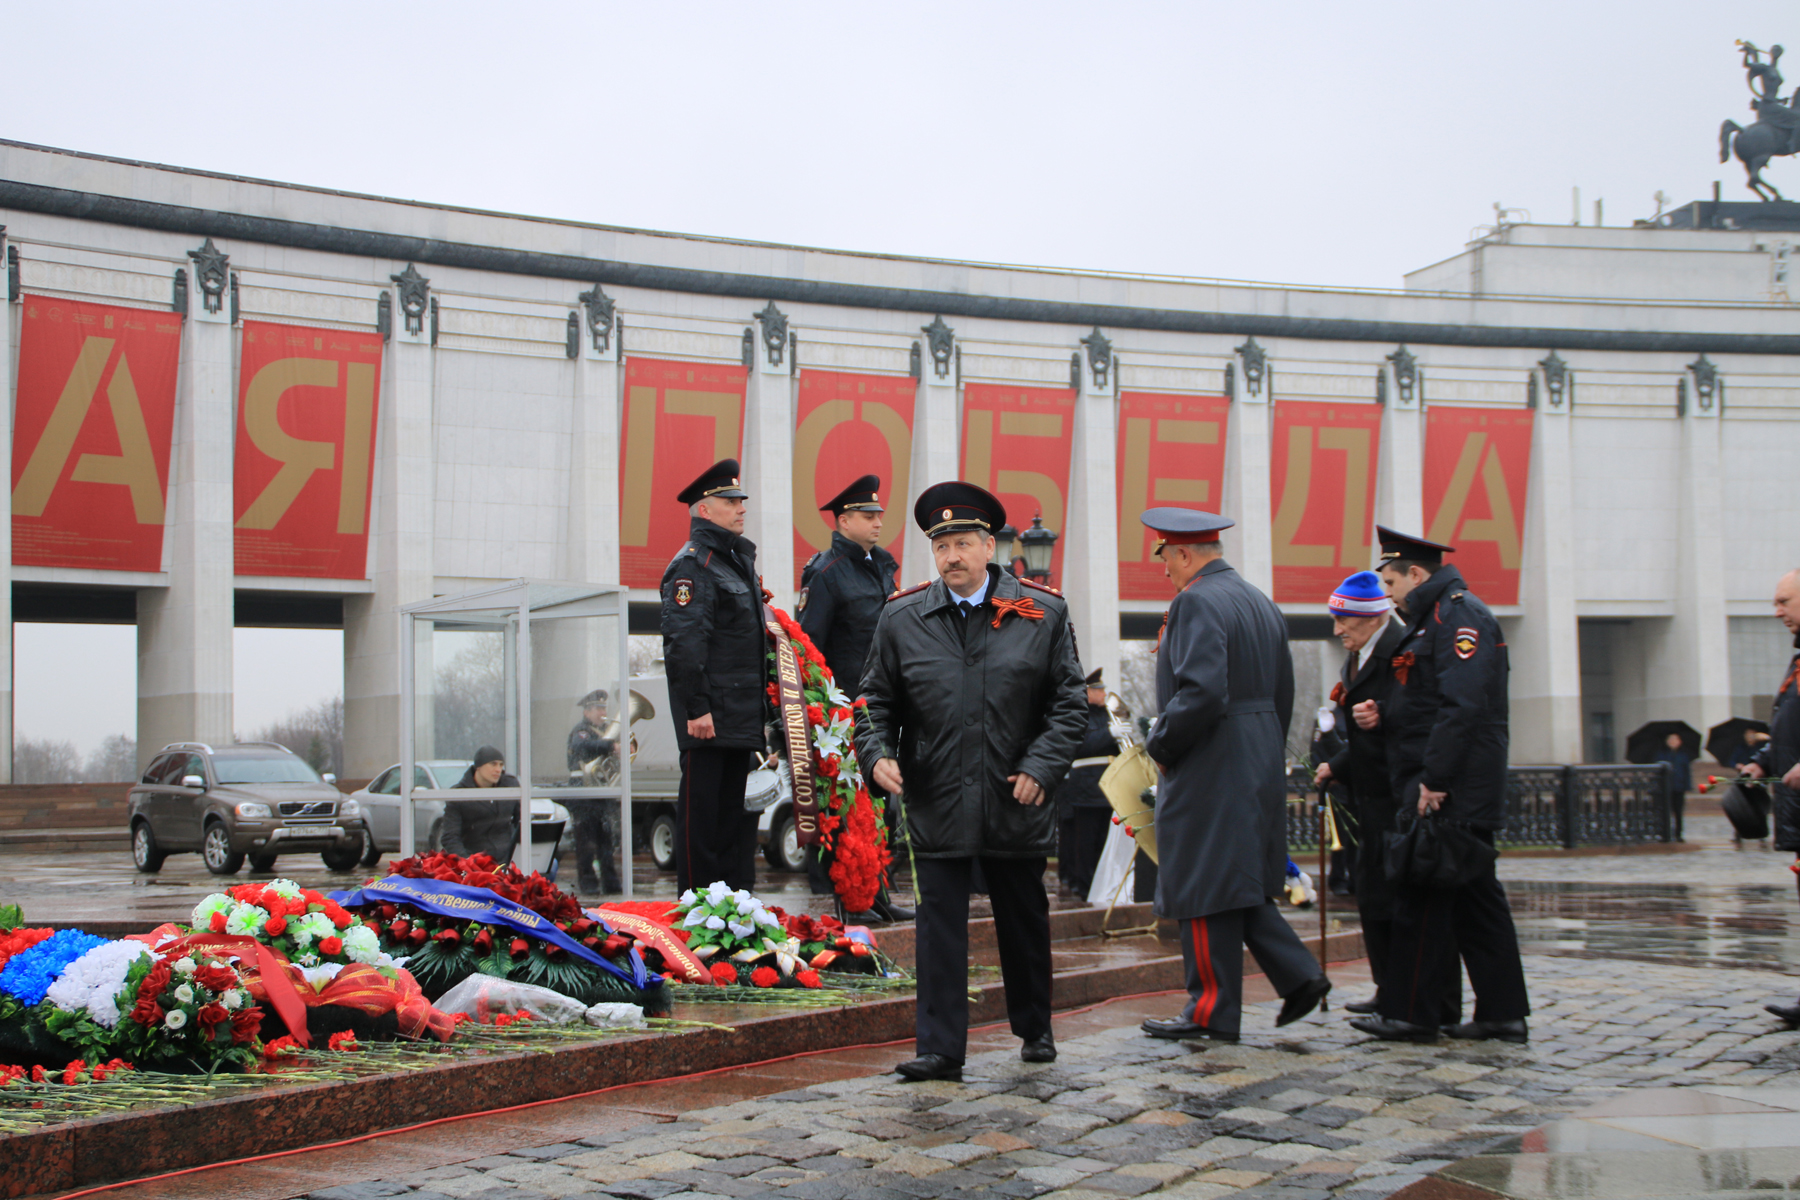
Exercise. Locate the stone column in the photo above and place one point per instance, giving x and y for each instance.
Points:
(1687, 659)
(1400, 492)
(1250, 545)
(1090, 561)
(1543, 645)
(185, 629)
(769, 453)
(402, 528)
(593, 550)
(937, 436)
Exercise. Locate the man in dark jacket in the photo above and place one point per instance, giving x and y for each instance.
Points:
(483, 826)
(1446, 733)
(1361, 616)
(974, 709)
(715, 655)
(842, 590)
(1082, 807)
(596, 821)
(1225, 691)
(1779, 757)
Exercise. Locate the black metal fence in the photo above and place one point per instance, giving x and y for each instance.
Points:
(1605, 804)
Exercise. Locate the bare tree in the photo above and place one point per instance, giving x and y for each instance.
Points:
(1137, 677)
(45, 760)
(114, 762)
(469, 710)
(315, 733)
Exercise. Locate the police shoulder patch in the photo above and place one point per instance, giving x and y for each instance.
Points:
(684, 592)
(800, 601)
(1466, 641)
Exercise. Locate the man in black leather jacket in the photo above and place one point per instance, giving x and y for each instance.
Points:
(715, 655)
(974, 710)
(483, 826)
(1779, 758)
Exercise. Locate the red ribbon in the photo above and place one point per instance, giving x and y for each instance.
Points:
(1338, 694)
(1024, 606)
(264, 968)
(1402, 664)
(1792, 675)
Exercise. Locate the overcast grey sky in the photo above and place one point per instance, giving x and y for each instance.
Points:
(1319, 143)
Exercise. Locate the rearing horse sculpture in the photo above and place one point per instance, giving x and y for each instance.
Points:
(1776, 130)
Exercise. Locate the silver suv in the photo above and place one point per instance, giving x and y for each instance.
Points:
(255, 799)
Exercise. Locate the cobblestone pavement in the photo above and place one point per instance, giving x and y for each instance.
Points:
(1314, 1110)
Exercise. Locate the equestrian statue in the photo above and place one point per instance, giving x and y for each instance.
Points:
(1776, 130)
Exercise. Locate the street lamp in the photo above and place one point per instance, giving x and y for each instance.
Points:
(1003, 547)
(1039, 543)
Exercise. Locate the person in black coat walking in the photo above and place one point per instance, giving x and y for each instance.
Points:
(1082, 808)
(974, 710)
(1445, 726)
(715, 655)
(1779, 757)
(483, 826)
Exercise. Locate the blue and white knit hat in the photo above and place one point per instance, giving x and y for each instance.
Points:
(1359, 596)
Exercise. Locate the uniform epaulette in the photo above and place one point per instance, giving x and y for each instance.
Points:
(807, 566)
(1042, 587)
(918, 587)
(1457, 595)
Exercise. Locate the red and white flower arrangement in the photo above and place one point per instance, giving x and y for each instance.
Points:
(310, 929)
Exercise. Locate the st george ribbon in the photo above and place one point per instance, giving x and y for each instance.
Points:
(479, 904)
(791, 700)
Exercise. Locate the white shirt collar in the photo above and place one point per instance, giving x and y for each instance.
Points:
(980, 592)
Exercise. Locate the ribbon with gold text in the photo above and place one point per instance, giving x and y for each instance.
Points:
(791, 701)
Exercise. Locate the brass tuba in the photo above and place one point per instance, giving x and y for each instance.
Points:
(604, 770)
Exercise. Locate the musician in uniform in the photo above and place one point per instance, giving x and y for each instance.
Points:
(1082, 808)
(596, 821)
(715, 654)
(1445, 730)
(1362, 619)
(1225, 688)
(974, 710)
(842, 590)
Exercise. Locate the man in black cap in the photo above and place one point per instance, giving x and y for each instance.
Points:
(1225, 688)
(596, 821)
(842, 590)
(714, 653)
(974, 708)
(1082, 807)
(1445, 726)
(489, 827)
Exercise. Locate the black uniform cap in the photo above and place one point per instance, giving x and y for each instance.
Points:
(1093, 679)
(720, 479)
(1183, 526)
(958, 507)
(862, 496)
(594, 698)
(1395, 544)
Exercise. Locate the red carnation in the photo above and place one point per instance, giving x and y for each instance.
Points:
(343, 1040)
(815, 715)
(73, 1071)
(276, 926)
(808, 978)
(402, 927)
(331, 945)
(338, 916)
(37, 1075)
(764, 977)
(724, 973)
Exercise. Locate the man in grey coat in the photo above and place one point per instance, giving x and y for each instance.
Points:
(974, 709)
(1225, 691)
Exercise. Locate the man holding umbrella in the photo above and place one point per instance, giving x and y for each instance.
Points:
(1779, 757)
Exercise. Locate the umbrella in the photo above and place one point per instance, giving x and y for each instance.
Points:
(1726, 739)
(1646, 741)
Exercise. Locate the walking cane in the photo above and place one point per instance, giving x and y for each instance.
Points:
(1324, 882)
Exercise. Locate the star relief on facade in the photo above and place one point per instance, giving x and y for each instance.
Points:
(940, 339)
(775, 333)
(415, 297)
(599, 307)
(212, 270)
(1099, 351)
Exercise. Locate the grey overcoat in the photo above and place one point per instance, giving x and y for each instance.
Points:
(1225, 688)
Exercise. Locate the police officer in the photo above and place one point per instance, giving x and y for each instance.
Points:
(1445, 726)
(714, 653)
(1225, 688)
(1082, 807)
(596, 822)
(1362, 620)
(974, 710)
(843, 588)
(1779, 757)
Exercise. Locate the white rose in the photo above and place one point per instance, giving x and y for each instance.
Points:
(185, 994)
(185, 966)
(232, 1000)
(176, 1018)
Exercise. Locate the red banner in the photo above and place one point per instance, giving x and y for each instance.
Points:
(1016, 443)
(1477, 465)
(1171, 451)
(1322, 480)
(305, 445)
(91, 430)
(680, 418)
(850, 426)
